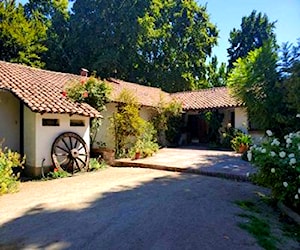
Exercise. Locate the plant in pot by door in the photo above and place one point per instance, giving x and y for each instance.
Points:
(137, 149)
(241, 142)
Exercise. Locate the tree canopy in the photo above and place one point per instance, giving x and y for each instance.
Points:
(21, 38)
(175, 40)
(253, 81)
(256, 29)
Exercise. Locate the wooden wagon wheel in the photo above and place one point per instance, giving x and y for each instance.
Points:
(70, 152)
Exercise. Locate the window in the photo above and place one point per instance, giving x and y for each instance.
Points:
(50, 122)
(76, 123)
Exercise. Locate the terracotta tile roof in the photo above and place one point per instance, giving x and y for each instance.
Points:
(147, 96)
(206, 99)
(41, 90)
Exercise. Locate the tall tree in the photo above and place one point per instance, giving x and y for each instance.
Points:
(21, 39)
(176, 38)
(253, 81)
(55, 16)
(216, 75)
(103, 35)
(290, 69)
(255, 30)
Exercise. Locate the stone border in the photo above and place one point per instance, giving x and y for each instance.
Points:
(230, 176)
(289, 212)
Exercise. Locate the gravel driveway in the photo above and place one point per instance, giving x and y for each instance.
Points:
(126, 208)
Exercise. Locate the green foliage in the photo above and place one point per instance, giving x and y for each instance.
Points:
(21, 38)
(97, 164)
(146, 144)
(55, 17)
(130, 130)
(253, 81)
(8, 180)
(167, 121)
(228, 135)
(278, 164)
(174, 41)
(241, 139)
(58, 173)
(214, 120)
(216, 76)
(256, 29)
(110, 30)
(91, 91)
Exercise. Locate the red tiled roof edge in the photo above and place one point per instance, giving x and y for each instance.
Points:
(206, 99)
(41, 90)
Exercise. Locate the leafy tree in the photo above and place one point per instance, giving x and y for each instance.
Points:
(256, 29)
(21, 39)
(290, 69)
(175, 39)
(103, 36)
(254, 81)
(216, 75)
(55, 17)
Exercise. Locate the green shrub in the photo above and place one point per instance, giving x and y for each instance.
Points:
(58, 173)
(146, 144)
(96, 164)
(132, 133)
(278, 164)
(168, 121)
(241, 139)
(9, 181)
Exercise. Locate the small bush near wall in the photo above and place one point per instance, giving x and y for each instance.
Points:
(168, 121)
(8, 179)
(131, 132)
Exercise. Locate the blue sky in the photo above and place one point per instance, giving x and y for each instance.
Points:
(227, 14)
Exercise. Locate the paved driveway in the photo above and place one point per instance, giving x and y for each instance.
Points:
(126, 208)
(194, 159)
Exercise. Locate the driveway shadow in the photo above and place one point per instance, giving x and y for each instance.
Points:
(186, 212)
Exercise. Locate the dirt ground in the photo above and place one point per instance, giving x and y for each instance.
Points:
(126, 208)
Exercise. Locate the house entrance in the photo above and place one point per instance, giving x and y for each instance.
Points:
(197, 128)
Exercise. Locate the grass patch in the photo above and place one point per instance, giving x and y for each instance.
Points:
(262, 219)
(260, 229)
(248, 206)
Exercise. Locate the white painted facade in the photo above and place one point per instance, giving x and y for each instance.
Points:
(241, 119)
(39, 139)
(9, 120)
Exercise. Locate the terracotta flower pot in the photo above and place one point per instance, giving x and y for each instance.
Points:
(243, 148)
(137, 155)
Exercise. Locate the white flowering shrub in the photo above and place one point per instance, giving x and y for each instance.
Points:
(278, 164)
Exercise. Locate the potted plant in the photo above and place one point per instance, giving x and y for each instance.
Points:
(241, 142)
(137, 149)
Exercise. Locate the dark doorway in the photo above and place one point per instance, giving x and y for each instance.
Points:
(197, 128)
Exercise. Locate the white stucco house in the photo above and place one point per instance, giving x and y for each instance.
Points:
(34, 112)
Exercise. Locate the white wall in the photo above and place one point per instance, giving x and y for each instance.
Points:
(30, 136)
(10, 120)
(45, 135)
(105, 133)
(241, 119)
